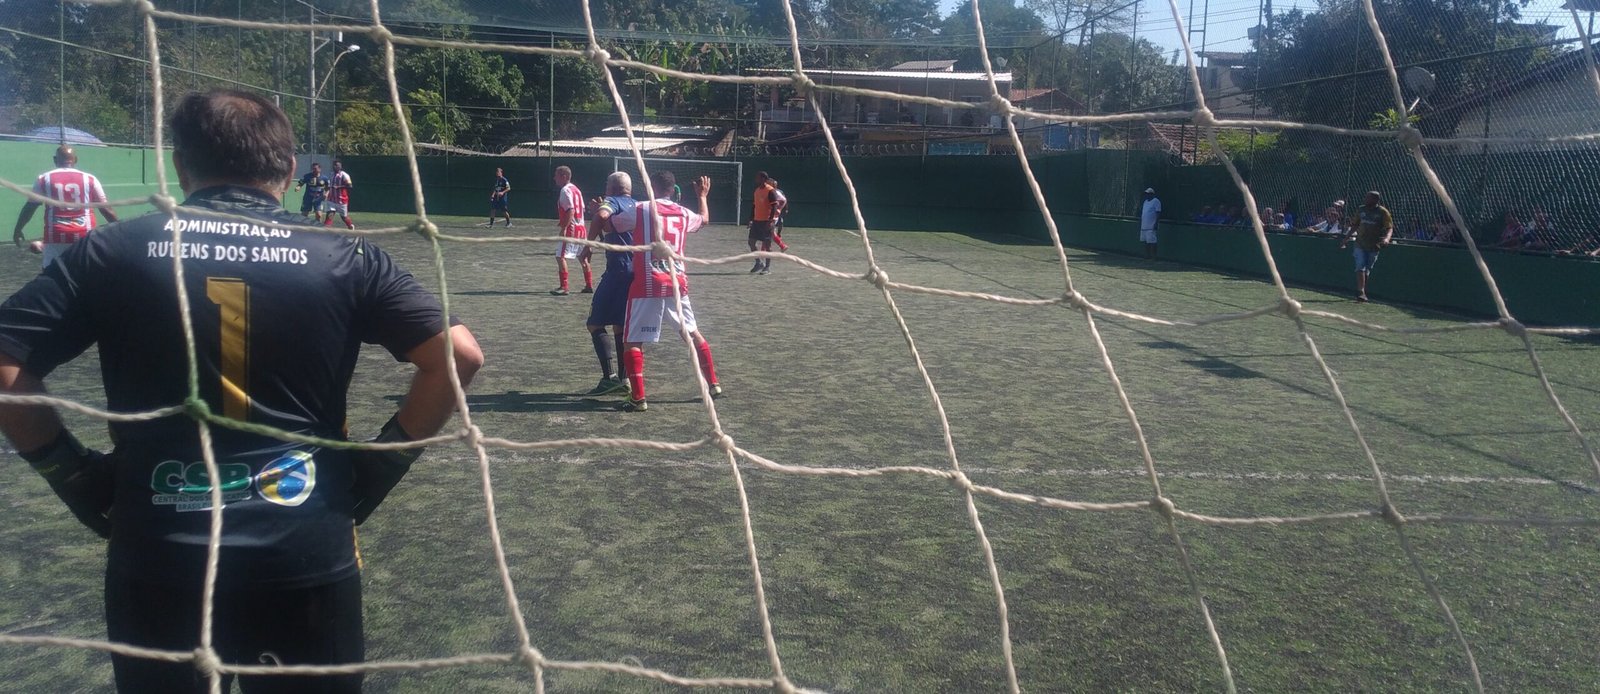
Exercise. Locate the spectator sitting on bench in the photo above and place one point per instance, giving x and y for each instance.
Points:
(1541, 234)
(1514, 234)
(1589, 246)
(1416, 231)
(1330, 224)
(1444, 230)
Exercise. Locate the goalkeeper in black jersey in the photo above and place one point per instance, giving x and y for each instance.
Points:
(279, 316)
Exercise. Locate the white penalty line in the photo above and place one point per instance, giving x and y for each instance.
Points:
(1099, 473)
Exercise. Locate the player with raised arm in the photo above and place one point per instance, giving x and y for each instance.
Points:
(278, 319)
(650, 297)
(610, 304)
(316, 195)
(500, 198)
(569, 220)
(761, 219)
(63, 226)
(339, 186)
(782, 203)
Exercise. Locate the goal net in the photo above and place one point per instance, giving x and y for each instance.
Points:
(727, 182)
(1208, 121)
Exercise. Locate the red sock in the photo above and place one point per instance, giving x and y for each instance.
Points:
(633, 367)
(328, 222)
(588, 278)
(563, 279)
(349, 224)
(705, 363)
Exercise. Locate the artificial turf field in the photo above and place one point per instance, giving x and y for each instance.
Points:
(878, 584)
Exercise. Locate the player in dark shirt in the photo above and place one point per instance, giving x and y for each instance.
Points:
(278, 319)
(610, 303)
(500, 198)
(316, 187)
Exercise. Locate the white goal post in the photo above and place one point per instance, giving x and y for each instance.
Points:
(727, 181)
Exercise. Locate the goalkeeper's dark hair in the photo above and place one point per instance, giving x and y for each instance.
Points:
(662, 182)
(227, 135)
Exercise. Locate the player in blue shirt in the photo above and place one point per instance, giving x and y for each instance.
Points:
(610, 303)
(316, 186)
(278, 318)
(500, 198)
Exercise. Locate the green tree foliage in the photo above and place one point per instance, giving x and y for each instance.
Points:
(1307, 60)
(1005, 25)
(367, 127)
(1115, 73)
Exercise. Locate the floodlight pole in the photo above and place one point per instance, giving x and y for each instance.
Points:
(311, 85)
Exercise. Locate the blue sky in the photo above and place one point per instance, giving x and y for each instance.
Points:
(1230, 20)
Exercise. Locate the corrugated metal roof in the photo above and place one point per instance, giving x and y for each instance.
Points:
(927, 65)
(666, 129)
(893, 75)
(609, 144)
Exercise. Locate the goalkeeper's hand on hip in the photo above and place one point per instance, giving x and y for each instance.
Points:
(378, 471)
(83, 478)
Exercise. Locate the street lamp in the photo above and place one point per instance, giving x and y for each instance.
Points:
(347, 50)
(313, 90)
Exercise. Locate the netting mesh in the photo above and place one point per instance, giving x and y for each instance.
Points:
(1423, 165)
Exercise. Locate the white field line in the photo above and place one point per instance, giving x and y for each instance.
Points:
(501, 456)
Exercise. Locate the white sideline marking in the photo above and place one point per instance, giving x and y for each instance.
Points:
(1101, 473)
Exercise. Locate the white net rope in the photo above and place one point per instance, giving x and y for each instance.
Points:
(1168, 511)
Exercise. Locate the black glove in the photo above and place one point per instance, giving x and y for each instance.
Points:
(84, 479)
(377, 472)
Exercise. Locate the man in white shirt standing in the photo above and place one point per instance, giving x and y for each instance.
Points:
(1149, 214)
(67, 224)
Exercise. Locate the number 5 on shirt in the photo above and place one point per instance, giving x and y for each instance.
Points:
(232, 296)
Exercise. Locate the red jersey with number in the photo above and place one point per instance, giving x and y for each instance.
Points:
(569, 209)
(652, 272)
(341, 187)
(68, 224)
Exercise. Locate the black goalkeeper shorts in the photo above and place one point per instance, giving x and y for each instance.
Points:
(317, 625)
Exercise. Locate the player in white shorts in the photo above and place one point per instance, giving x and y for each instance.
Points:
(652, 307)
(569, 219)
(338, 196)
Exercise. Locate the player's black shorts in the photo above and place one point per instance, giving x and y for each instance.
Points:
(761, 231)
(610, 303)
(309, 205)
(499, 202)
(302, 626)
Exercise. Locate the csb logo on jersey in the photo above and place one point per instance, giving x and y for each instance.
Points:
(288, 481)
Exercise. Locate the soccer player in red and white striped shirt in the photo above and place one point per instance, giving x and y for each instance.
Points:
(63, 225)
(651, 304)
(569, 213)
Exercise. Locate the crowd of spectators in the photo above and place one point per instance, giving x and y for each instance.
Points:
(1537, 232)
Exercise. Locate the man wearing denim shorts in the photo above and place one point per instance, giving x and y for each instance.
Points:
(1372, 232)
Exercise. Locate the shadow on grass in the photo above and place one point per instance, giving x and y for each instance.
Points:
(1216, 366)
(496, 292)
(1222, 368)
(518, 401)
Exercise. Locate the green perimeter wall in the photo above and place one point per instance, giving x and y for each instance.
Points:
(124, 172)
(985, 194)
(972, 194)
(1538, 289)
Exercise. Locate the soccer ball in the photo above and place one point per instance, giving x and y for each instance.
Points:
(36, 247)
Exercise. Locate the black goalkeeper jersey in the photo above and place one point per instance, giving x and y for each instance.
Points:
(279, 316)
